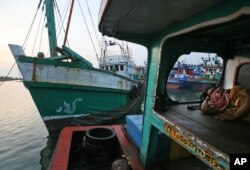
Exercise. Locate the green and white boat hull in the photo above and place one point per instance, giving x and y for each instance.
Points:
(62, 91)
(66, 85)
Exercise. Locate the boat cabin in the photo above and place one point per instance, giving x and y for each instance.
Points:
(117, 58)
(170, 29)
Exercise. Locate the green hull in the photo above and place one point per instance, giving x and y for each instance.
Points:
(58, 104)
(59, 100)
(65, 91)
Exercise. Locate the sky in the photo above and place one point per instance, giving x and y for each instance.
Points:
(196, 58)
(16, 17)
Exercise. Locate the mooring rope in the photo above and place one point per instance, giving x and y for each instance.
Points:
(8, 73)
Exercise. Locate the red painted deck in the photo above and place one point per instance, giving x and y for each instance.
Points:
(60, 157)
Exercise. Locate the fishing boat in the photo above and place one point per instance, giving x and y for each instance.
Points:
(66, 85)
(198, 77)
(169, 29)
(212, 68)
(120, 63)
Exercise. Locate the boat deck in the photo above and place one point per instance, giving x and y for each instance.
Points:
(64, 157)
(226, 136)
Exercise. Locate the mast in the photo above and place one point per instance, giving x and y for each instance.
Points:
(70, 15)
(51, 27)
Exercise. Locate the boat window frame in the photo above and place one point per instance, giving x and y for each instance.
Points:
(238, 72)
(202, 89)
(121, 68)
(116, 67)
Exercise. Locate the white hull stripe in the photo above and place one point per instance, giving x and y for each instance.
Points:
(72, 76)
(46, 118)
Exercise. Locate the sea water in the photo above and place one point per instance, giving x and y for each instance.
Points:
(24, 140)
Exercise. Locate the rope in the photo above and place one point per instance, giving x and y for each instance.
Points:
(26, 39)
(60, 25)
(93, 25)
(37, 32)
(88, 31)
(39, 48)
(8, 73)
(33, 21)
(62, 20)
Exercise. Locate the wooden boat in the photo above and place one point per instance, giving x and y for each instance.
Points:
(196, 77)
(169, 29)
(66, 85)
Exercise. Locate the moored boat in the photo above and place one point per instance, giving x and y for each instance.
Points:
(198, 77)
(169, 29)
(66, 85)
(119, 61)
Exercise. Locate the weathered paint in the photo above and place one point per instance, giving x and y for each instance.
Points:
(153, 66)
(165, 47)
(73, 76)
(55, 63)
(63, 90)
(51, 27)
(50, 97)
(199, 148)
(212, 157)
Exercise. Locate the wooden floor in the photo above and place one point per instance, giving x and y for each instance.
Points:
(227, 136)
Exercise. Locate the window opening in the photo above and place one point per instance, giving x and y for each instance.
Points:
(192, 74)
(121, 67)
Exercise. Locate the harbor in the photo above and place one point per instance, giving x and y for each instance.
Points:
(117, 75)
(174, 112)
(65, 85)
(23, 131)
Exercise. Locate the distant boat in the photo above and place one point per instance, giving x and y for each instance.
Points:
(199, 77)
(119, 61)
(66, 85)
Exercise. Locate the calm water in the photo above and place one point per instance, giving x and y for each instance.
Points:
(24, 141)
(184, 95)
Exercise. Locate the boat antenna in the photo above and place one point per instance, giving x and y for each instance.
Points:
(122, 49)
(127, 49)
(68, 24)
(103, 50)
